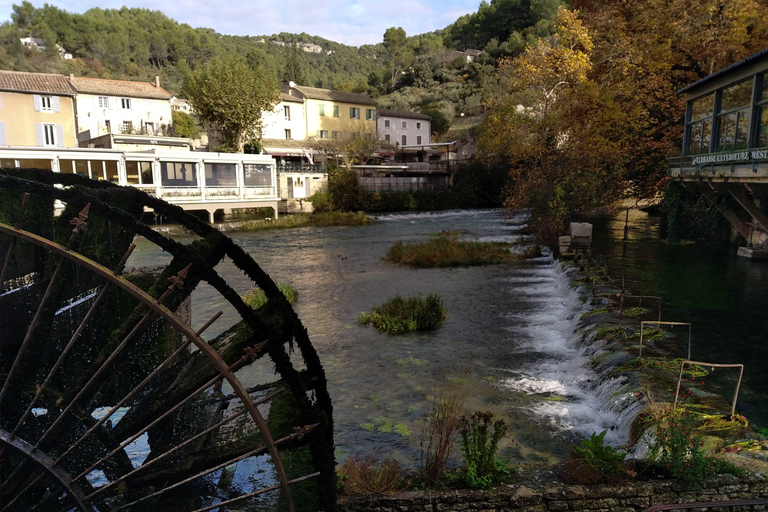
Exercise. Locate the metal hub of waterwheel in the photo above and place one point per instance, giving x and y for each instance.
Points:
(110, 400)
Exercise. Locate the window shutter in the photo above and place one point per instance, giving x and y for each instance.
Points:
(2, 134)
(38, 104)
(59, 135)
(40, 136)
(95, 102)
(55, 104)
(351, 112)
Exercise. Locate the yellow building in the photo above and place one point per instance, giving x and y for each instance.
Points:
(334, 114)
(36, 109)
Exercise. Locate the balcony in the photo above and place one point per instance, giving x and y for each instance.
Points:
(736, 165)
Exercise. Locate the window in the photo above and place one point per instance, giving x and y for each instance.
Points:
(386, 137)
(45, 104)
(49, 134)
(321, 109)
(221, 175)
(287, 134)
(287, 111)
(125, 103)
(418, 139)
(734, 116)
(139, 173)
(405, 124)
(257, 175)
(418, 126)
(103, 102)
(127, 127)
(108, 125)
(762, 114)
(354, 113)
(335, 111)
(700, 125)
(386, 123)
(322, 134)
(405, 140)
(370, 114)
(178, 174)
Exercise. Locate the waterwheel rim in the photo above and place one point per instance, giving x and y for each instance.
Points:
(58, 475)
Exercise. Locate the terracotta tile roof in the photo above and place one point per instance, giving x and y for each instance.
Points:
(313, 93)
(288, 97)
(285, 143)
(35, 83)
(405, 114)
(119, 88)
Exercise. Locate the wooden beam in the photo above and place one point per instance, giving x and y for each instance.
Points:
(742, 196)
(735, 221)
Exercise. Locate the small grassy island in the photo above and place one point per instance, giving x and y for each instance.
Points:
(447, 250)
(301, 220)
(401, 315)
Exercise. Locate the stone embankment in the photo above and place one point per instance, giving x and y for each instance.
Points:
(553, 497)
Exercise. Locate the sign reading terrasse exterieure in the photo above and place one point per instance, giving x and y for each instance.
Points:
(746, 155)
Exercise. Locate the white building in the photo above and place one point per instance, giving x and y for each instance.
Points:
(181, 105)
(286, 121)
(403, 128)
(121, 107)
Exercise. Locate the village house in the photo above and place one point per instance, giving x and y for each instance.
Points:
(124, 114)
(36, 109)
(403, 128)
(334, 114)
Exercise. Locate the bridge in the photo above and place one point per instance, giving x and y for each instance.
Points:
(198, 181)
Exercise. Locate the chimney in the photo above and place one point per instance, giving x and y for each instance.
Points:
(71, 76)
(157, 80)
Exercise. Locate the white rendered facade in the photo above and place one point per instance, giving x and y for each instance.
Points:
(401, 128)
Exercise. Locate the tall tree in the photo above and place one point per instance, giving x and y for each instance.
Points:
(228, 94)
(399, 52)
(559, 130)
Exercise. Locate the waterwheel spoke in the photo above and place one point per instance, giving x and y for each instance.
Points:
(261, 449)
(255, 493)
(138, 388)
(91, 312)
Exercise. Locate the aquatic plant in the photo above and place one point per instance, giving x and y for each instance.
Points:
(257, 298)
(301, 220)
(401, 315)
(604, 460)
(448, 251)
(480, 437)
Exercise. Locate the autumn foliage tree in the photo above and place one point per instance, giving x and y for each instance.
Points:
(230, 95)
(558, 129)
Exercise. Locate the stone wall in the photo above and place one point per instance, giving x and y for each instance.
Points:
(633, 497)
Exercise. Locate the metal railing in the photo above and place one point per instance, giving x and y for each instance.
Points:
(656, 322)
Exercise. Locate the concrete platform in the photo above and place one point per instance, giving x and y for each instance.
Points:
(753, 254)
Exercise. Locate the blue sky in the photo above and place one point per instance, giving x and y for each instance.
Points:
(353, 22)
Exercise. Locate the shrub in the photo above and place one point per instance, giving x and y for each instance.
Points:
(322, 202)
(480, 437)
(370, 475)
(441, 426)
(448, 251)
(257, 298)
(399, 315)
(678, 452)
(593, 461)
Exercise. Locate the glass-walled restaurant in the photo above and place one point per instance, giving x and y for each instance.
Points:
(173, 176)
(733, 116)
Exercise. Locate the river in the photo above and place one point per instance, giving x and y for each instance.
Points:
(511, 330)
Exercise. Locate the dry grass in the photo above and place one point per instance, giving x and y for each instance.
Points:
(441, 428)
(371, 475)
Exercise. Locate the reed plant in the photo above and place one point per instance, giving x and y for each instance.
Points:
(448, 251)
(480, 436)
(257, 298)
(402, 315)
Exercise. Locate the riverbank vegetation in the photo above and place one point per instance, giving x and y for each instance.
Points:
(447, 250)
(402, 315)
(302, 220)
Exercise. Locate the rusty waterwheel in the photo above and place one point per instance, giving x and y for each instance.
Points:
(110, 401)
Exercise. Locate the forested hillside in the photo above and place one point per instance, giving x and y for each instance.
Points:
(139, 43)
